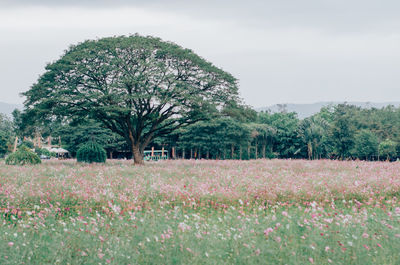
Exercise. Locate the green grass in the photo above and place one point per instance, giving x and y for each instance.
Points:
(218, 236)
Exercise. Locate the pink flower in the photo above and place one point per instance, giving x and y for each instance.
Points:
(365, 235)
(11, 244)
(268, 230)
(284, 213)
(327, 248)
(366, 247)
(183, 227)
(311, 260)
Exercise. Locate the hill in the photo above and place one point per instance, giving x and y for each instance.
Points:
(7, 108)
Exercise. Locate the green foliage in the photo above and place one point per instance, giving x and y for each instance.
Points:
(91, 152)
(28, 144)
(23, 156)
(44, 151)
(78, 133)
(312, 131)
(6, 134)
(342, 131)
(6, 125)
(387, 149)
(3, 144)
(215, 137)
(241, 113)
(365, 144)
(285, 137)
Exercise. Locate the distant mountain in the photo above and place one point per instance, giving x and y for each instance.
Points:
(307, 110)
(7, 108)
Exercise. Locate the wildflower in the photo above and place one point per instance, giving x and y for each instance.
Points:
(311, 260)
(11, 244)
(267, 231)
(365, 235)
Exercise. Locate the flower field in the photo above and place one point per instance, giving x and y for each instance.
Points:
(201, 212)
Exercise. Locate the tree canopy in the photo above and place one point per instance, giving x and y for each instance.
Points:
(138, 87)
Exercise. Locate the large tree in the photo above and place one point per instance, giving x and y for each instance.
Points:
(139, 87)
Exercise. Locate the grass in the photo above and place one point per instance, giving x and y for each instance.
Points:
(201, 212)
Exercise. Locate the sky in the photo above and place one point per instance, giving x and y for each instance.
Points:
(285, 51)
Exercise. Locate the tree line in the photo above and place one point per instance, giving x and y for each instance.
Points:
(336, 132)
(238, 132)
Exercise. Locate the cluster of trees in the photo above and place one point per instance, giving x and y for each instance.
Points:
(128, 93)
(238, 132)
(336, 132)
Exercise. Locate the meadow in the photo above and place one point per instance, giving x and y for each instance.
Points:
(201, 212)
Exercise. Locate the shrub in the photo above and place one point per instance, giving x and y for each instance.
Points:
(42, 151)
(23, 156)
(91, 152)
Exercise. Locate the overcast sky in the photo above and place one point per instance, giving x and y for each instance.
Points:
(281, 51)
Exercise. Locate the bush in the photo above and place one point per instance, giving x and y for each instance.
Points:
(91, 152)
(42, 151)
(23, 156)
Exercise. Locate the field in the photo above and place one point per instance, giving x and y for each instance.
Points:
(201, 212)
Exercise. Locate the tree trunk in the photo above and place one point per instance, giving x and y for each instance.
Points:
(309, 150)
(208, 155)
(137, 155)
(248, 151)
(183, 153)
(256, 150)
(232, 150)
(240, 152)
(263, 147)
(191, 153)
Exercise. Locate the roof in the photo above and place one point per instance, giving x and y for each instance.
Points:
(59, 150)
